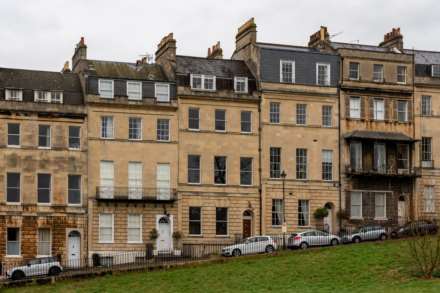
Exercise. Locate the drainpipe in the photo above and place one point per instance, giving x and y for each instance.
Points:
(414, 187)
(260, 188)
(339, 141)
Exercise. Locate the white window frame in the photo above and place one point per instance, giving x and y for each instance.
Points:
(9, 97)
(19, 136)
(301, 114)
(405, 112)
(429, 199)
(327, 158)
(357, 70)
(135, 96)
(426, 102)
(140, 128)
(39, 242)
(405, 76)
(52, 97)
(135, 183)
(68, 138)
(19, 242)
(112, 227)
(100, 91)
(435, 70)
(357, 217)
(379, 73)
(308, 212)
(238, 79)
(139, 228)
(50, 137)
(377, 110)
(328, 78)
(50, 190)
(203, 77)
(46, 96)
(353, 109)
(384, 194)
(20, 188)
(293, 70)
(107, 182)
(113, 128)
(80, 190)
(160, 84)
(169, 129)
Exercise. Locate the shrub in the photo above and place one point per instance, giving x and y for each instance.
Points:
(425, 254)
(154, 234)
(177, 235)
(320, 213)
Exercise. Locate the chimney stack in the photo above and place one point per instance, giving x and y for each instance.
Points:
(166, 55)
(319, 38)
(80, 53)
(66, 67)
(216, 52)
(393, 39)
(246, 35)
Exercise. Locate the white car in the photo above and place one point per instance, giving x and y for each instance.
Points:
(251, 245)
(312, 238)
(36, 267)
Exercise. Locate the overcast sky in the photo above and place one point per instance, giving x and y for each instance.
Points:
(41, 34)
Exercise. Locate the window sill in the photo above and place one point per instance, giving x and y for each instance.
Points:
(74, 205)
(194, 183)
(107, 98)
(44, 148)
(134, 139)
(13, 256)
(203, 90)
(222, 236)
(13, 203)
(246, 185)
(195, 235)
(101, 242)
(44, 204)
(356, 218)
(14, 146)
(135, 242)
(107, 138)
(163, 141)
(220, 184)
(220, 131)
(194, 129)
(381, 219)
(43, 255)
(246, 132)
(74, 149)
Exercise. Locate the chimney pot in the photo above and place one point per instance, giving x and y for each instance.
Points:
(393, 39)
(216, 52)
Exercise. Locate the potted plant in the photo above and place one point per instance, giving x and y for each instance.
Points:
(177, 236)
(154, 234)
(320, 214)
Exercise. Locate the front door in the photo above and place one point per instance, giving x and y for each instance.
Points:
(401, 212)
(163, 181)
(328, 222)
(164, 227)
(247, 226)
(74, 253)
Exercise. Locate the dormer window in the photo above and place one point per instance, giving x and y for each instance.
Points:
(134, 90)
(240, 84)
(435, 70)
(203, 82)
(162, 92)
(105, 88)
(42, 96)
(14, 95)
(322, 74)
(57, 97)
(287, 71)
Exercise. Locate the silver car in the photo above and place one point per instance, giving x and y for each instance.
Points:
(366, 233)
(312, 238)
(251, 245)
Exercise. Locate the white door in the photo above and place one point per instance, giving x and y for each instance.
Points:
(74, 252)
(328, 221)
(401, 212)
(163, 181)
(106, 183)
(164, 227)
(135, 180)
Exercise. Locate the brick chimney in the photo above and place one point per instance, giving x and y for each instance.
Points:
(393, 39)
(66, 67)
(80, 53)
(216, 52)
(319, 38)
(166, 55)
(246, 35)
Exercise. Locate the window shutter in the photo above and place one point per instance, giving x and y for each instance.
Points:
(347, 107)
(363, 109)
(410, 113)
(371, 107)
(395, 110)
(388, 110)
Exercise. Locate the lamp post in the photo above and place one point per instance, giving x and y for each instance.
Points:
(283, 177)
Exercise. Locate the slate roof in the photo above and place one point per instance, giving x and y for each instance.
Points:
(125, 70)
(223, 68)
(425, 57)
(378, 135)
(43, 80)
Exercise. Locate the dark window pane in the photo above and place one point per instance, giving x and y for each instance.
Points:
(193, 118)
(13, 134)
(220, 120)
(274, 112)
(134, 128)
(220, 170)
(275, 162)
(163, 131)
(301, 163)
(44, 136)
(13, 187)
(246, 123)
(74, 137)
(221, 219)
(43, 188)
(195, 221)
(245, 171)
(74, 189)
(193, 169)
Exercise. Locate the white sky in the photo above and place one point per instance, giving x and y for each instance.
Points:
(41, 34)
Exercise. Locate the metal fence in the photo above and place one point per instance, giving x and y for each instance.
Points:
(149, 258)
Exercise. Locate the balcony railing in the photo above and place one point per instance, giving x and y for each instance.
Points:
(135, 194)
(392, 172)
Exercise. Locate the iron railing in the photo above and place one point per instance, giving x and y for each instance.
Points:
(409, 172)
(140, 194)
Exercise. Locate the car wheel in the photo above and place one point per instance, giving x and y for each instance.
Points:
(236, 252)
(383, 237)
(18, 275)
(269, 249)
(303, 245)
(356, 239)
(334, 242)
(54, 271)
(393, 235)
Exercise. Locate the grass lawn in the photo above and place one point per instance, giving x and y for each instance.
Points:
(365, 267)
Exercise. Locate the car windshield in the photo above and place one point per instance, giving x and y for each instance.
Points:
(249, 240)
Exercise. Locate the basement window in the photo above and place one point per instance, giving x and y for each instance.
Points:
(435, 70)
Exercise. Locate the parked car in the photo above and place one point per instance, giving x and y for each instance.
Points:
(251, 245)
(420, 227)
(36, 267)
(365, 233)
(312, 238)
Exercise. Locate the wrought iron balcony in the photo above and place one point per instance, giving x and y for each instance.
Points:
(135, 194)
(390, 172)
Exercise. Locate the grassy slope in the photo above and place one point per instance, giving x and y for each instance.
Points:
(366, 267)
